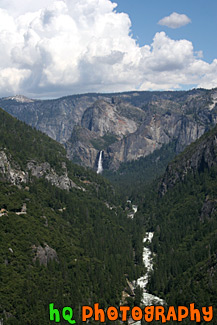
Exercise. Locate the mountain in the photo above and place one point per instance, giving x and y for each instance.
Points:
(125, 126)
(64, 236)
(181, 209)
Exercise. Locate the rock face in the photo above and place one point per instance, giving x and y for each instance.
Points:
(80, 147)
(209, 207)
(44, 254)
(152, 134)
(126, 126)
(195, 158)
(103, 118)
(44, 169)
(12, 173)
(56, 118)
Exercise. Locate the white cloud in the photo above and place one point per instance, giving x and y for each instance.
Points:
(175, 20)
(54, 48)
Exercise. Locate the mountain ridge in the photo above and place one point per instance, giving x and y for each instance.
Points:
(140, 122)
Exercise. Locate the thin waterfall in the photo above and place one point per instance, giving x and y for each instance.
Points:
(99, 168)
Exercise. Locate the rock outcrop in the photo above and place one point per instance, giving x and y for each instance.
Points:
(44, 254)
(80, 147)
(196, 158)
(44, 169)
(12, 173)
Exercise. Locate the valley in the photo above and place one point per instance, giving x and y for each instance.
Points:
(98, 191)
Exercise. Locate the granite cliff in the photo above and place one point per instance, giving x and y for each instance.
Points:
(126, 126)
(197, 157)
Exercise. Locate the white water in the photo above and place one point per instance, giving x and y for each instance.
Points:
(148, 299)
(99, 168)
(134, 208)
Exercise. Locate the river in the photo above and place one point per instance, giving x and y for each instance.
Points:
(148, 299)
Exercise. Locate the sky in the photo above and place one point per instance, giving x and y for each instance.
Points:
(53, 48)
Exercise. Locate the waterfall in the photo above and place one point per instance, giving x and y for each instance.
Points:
(99, 168)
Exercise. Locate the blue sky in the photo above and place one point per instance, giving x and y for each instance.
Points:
(53, 48)
(202, 31)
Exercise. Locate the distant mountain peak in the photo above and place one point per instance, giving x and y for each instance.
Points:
(20, 99)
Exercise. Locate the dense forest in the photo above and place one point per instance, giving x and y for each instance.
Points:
(132, 178)
(180, 207)
(184, 220)
(70, 248)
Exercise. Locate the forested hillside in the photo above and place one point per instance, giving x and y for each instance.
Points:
(64, 237)
(132, 178)
(181, 209)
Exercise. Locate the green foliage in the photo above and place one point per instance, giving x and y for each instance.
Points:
(132, 178)
(185, 245)
(88, 229)
(24, 143)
